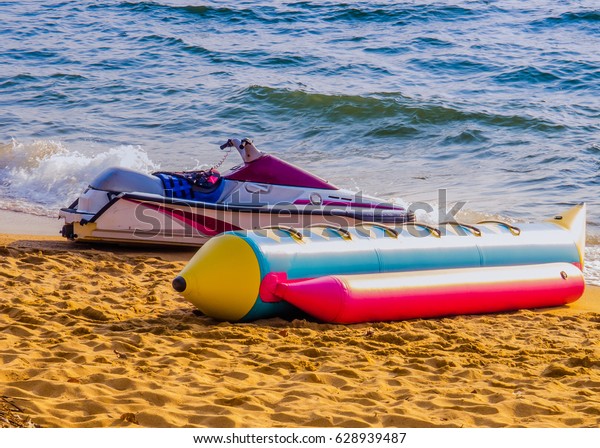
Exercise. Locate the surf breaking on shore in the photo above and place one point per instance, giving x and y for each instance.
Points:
(97, 338)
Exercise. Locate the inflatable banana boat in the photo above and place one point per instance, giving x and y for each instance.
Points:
(374, 272)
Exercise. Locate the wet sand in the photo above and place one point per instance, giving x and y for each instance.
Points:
(97, 338)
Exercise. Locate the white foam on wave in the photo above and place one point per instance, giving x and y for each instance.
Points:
(591, 270)
(42, 176)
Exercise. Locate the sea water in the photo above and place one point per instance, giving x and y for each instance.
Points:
(490, 104)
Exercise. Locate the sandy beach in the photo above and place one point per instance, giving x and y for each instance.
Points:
(96, 337)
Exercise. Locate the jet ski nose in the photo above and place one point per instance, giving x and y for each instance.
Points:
(179, 284)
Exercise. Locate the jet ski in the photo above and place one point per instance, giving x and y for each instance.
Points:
(188, 208)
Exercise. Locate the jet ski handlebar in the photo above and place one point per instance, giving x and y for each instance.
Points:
(227, 144)
(245, 147)
(236, 143)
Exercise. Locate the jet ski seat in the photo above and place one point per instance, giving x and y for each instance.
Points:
(124, 180)
(205, 186)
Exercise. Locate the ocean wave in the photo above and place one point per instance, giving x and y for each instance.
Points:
(267, 12)
(41, 176)
(360, 109)
(526, 75)
(398, 14)
(177, 42)
(579, 18)
(466, 137)
(431, 42)
(161, 40)
(248, 58)
(392, 129)
(17, 80)
(451, 66)
(593, 148)
(229, 15)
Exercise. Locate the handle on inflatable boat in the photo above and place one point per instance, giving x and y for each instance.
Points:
(432, 230)
(290, 230)
(343, 232)
(474, 230)
(513, 229)
(388, 230)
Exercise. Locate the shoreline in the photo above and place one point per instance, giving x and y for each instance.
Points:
(96, 337)
(20, 223)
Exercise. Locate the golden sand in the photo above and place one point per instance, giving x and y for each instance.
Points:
(97, 338)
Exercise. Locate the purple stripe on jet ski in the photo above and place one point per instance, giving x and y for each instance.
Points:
(204, 224)
(271, 170)
(349, 204)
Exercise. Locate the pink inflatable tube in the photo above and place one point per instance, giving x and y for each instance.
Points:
(422, 294)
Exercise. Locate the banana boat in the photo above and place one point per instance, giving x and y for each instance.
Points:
(374, 272)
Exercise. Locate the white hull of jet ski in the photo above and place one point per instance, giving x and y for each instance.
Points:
(124, 206)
